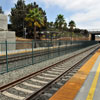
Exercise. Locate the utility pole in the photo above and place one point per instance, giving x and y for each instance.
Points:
(23, 21)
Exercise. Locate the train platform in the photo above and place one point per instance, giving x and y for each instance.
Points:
(29, 50)
(85, 84)
(13, 52)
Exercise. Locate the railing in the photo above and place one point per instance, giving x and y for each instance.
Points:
(29, 53)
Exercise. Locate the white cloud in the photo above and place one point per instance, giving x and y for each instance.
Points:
(86, 13)
(72, 4)
(14, 1)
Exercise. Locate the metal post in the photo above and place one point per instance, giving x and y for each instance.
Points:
(71, 37)
(48, 49)
(25, 32)
(59, 48)
(23, 18)
(65, 46)
(53, 49)
(6, 56)
(32, 52)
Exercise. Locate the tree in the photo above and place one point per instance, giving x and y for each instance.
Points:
(35, 18)
(17, 17)
(1, 10)
(60, 21)
(72, 24)
(77, 30)
(51, 25)
(45, 18)
(65, 26)
(32, 6)
(86, 33)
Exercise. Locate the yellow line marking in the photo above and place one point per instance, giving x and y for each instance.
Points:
(93, 86)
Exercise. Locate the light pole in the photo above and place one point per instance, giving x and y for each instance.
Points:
(23, 18)
(25, 32)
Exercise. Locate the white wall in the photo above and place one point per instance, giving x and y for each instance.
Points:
(3, 22)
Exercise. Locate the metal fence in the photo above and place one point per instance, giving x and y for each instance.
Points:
(21, 54)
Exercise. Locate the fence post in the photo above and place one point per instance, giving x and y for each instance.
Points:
(32, 52)
(66, 46)
(59, 48)
(48, 49)
(6, 56)
(53, 49)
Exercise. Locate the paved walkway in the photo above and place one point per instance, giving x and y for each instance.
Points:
(91, 88)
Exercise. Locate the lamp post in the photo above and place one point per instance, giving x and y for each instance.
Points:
(62, 29)
(25, 32)
(48, 34)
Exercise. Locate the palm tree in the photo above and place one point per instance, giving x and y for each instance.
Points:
(72, 25)
(65, 26)
(59, 21)
(51, 24)
(35, 18)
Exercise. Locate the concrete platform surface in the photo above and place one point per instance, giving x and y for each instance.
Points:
(91, 88)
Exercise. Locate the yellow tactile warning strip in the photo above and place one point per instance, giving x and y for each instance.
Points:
(71, 88)
(93, 86)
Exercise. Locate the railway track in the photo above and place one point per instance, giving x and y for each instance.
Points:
(29, 87)
(58, 81)
(55, 85)
(18, 57)
(23, 56)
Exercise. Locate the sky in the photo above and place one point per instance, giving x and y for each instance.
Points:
(85, 13)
